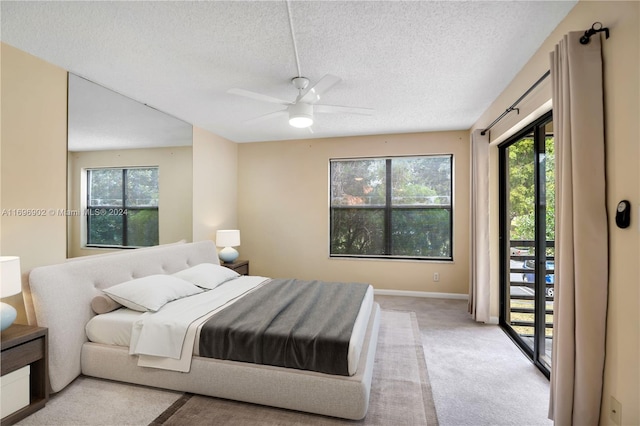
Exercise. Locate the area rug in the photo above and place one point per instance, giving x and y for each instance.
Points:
(400, 390)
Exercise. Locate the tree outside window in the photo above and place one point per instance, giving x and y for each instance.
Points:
(396, 207)
(122, 207)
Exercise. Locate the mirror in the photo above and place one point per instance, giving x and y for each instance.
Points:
(108, 132)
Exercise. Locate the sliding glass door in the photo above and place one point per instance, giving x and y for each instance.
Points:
(527, 221)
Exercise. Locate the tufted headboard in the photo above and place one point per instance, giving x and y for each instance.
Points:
(61, 294)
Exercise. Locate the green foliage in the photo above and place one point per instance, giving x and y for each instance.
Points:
(420, 207)
(421, 180)
(421, 233)
(142, 228)
(142, 187)
(521, 188)
(122, 207)
(105, 187)
(357, 231)
(104, 229)
(358, 182)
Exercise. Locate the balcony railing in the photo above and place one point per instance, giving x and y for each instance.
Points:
(522, 286)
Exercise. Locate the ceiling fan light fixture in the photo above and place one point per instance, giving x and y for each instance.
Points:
(301, 115)
(300, 122)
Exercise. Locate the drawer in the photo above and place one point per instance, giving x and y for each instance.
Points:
(21, 355)
(14, 391)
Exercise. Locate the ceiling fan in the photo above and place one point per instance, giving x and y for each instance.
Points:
(302, 109)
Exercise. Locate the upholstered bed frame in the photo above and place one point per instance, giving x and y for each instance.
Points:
(61, 297)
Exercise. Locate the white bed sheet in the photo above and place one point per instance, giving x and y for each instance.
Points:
(115, 328)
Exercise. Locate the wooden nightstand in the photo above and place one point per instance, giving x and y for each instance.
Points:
(240, 266)
(24, 345)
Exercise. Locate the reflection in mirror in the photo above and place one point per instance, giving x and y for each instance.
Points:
(129, 172)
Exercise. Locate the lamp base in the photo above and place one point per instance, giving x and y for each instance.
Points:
(228, 254)
(7, 315)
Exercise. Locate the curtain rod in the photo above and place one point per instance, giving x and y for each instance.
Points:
(513, 106)
(595, 28)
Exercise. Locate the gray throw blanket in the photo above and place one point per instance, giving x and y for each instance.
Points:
(288, 323)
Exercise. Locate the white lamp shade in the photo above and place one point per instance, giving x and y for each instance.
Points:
(228, 238)
(10, 276)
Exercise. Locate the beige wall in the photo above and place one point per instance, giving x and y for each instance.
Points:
(34, 170)
(33, 146)
(622, 110)
(215, 185)
(175, 183)
(283, 205)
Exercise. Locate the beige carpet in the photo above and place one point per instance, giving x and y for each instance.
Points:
(400, 391)
(400, 394)
(89, 401)
(478, 375)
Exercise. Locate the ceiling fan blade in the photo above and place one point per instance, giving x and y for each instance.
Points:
(265, 117)
(342, 109)
(257, 96)
(314, 93)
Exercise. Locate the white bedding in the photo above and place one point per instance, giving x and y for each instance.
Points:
(151, 337)
(165, 339)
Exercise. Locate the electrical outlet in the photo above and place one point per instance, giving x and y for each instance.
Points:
(436, 277)
(615, 411)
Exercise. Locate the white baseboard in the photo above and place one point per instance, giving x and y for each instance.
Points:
(406, 293)
(493, 320)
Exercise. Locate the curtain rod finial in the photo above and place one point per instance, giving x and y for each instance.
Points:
(595, 28)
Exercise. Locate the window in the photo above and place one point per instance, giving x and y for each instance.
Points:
(396, 207)
(122, 207)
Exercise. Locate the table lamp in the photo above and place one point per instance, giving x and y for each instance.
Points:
(228, 238)
(10, 284)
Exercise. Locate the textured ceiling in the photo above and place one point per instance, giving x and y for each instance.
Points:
(422, 65)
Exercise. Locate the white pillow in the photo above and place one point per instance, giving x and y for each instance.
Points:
(151, 293)
(207, 275)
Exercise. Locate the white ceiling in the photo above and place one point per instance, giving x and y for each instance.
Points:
(422, 65)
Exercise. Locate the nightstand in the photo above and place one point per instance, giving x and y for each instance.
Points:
(240, 266)
(24, 345)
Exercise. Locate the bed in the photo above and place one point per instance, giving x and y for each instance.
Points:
(61, 298)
